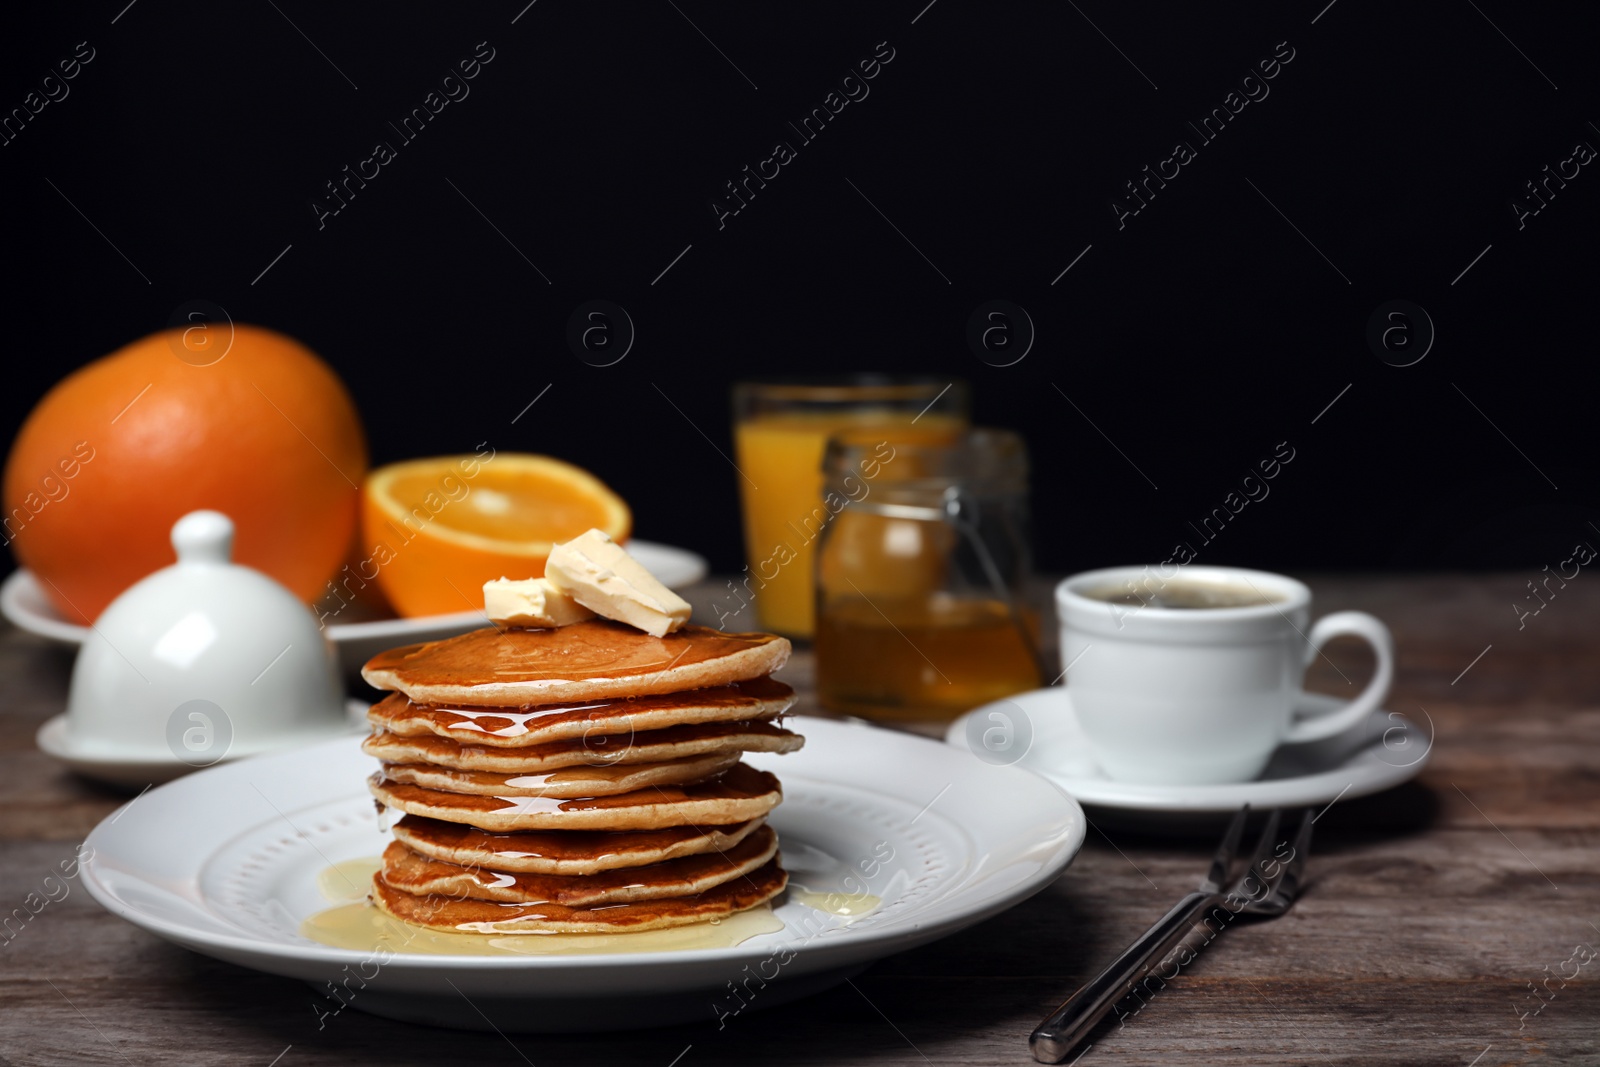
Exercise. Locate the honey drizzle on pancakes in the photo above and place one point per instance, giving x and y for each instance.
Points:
(517, 727)
(564, 851)
(586, 656)
(740, 794)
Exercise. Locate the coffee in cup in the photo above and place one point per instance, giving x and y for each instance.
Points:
(1193, 677)
(1182, 593)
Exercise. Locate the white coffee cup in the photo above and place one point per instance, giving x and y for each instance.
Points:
(1193, 696)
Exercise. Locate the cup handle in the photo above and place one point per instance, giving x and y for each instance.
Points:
(1376, 634)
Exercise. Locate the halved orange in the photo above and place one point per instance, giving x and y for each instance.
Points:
(434, 530)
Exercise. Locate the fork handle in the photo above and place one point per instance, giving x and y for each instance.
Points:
(1058, 1034)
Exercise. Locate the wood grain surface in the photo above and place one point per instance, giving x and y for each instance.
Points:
(1432, 912)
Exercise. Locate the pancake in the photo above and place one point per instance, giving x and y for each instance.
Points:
(567, 783)
(650, 746)
(564, 851)
(489, 917)
(421, 875)
(521, 727)
(743, 793)
(588, 660)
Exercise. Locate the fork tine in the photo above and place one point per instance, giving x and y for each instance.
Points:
(1265, 847)
(1289, 885)
(1223, 859)
(1268, 840)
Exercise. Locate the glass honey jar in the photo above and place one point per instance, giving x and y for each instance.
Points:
(922, 575)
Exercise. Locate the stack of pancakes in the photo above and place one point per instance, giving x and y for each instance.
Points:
(578, 779)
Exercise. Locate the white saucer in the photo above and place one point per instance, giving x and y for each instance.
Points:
(225, 862)
(24, 603)
(53, 740)
(1387, 750)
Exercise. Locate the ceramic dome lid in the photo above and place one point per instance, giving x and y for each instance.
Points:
(203, 659)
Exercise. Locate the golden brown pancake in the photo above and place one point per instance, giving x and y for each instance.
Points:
(488, 917)
(567, 783)
(650, 746)
(590, 723)
(742, 793)
(421, 875)
(588, 660)
(564, 851)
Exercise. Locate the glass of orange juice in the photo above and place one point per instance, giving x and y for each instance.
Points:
(780, 432)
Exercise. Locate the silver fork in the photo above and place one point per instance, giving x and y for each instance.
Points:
(1186, 928)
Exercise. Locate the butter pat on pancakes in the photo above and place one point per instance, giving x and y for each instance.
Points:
(594, 570)
(532, 602)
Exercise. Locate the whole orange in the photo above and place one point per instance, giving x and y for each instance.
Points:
(121, 449)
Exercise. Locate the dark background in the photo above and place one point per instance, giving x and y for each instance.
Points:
(1196, 339)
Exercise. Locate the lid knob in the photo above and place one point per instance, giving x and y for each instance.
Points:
(203, 537)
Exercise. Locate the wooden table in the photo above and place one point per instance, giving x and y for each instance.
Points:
(1433, 909)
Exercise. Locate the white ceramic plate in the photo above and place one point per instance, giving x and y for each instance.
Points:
(24, 603)
(1387, 750)
(225, 862)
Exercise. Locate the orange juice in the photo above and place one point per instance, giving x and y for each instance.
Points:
(780, 458)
